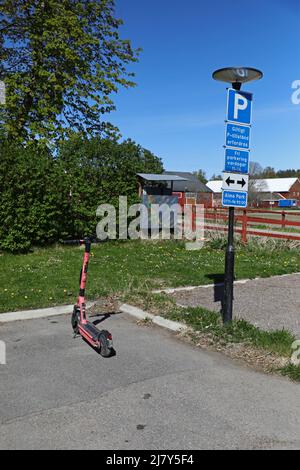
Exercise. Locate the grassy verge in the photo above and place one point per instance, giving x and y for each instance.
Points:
(269, 351)
(49, 276)
(291, 371)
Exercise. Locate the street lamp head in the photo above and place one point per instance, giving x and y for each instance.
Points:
(237, 75)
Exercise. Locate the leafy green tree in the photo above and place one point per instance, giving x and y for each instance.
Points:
(61, 60)
(216, 177)
(269, 172)
(201, 175)
(291, 173)
(98, 172)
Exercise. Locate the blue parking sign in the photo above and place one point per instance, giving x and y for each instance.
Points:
(237, 136)
(236, 161)
(234, 198)
(239, 106)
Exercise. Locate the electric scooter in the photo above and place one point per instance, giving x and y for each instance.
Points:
(100, 340)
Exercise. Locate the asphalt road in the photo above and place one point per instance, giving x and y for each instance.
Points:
(156, 393)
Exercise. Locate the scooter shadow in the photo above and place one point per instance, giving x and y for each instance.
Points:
(100, 317)
(104, 316)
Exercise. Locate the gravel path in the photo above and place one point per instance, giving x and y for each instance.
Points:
(270, 303)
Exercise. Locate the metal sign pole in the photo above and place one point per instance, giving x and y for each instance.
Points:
(227, 307)
(235, 176)
(229, 270)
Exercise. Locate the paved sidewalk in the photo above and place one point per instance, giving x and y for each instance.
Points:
(270, 303)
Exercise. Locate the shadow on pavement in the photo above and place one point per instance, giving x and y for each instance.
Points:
(218, 280)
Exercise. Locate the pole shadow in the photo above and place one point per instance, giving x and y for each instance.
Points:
(218, 280)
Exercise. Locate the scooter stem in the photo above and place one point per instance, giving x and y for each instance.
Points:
(83, 278)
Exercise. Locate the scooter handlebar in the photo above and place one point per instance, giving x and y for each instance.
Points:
(73, 242)
(82, 241)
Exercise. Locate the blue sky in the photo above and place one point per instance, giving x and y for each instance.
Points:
(177, 111)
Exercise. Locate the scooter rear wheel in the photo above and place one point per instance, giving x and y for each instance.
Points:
(106, 346)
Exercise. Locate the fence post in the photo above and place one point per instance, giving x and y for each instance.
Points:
(283, 219)
(193, 218)
(244, 226)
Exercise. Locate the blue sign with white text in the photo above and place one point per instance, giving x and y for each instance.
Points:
(236, 161)
(237, 136)
(234, 198)
(239, 106)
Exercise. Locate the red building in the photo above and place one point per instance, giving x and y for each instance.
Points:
(190, 190)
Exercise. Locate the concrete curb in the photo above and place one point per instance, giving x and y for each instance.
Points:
(190, 288)
(207, 286)
(39, 313)
(160, 321)
(67, 309)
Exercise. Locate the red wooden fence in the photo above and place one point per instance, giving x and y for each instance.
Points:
(245, 229)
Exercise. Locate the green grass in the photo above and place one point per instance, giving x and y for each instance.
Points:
(291, 371)
(239, 331)
(49, 276)
(209, 323)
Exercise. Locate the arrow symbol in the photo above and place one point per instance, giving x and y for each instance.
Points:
(229, 181)
(242, 182)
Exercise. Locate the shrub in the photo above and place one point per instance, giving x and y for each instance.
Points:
(31, 200)
(46, 198)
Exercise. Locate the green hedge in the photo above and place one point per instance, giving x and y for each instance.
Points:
(46, 198)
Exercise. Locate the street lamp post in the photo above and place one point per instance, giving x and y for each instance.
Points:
(236, 76)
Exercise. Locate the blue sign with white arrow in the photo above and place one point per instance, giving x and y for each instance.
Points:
(237, 136)
(239, 106)
(234, 198)
(237, 160)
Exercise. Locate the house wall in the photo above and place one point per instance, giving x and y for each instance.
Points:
(217, 200)
(201, 198)
(205, 198)
(294, 192)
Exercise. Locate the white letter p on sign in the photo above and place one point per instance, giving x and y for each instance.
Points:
(240, 103)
